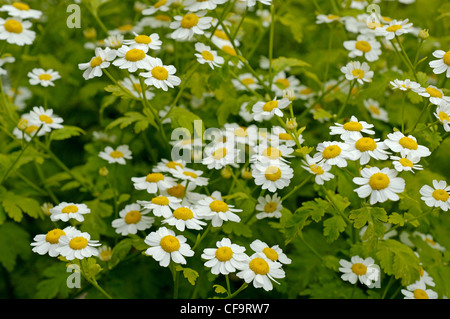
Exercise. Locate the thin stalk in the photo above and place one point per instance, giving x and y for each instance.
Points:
(419, 117)
(306, 180)
(347, 99)
(234, 294)
(271, 36)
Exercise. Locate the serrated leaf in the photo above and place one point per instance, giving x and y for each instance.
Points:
(396, 218)
(190, 274)
(14, 243)
(333, 226)
(218, 289)
(239, 229)
(66, 132)
(281, 63)
(120, 251)
(54, 284)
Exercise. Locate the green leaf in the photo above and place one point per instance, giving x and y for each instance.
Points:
(14, 242)
(54, 284)
(119, 92)
(141, 121)
(281, 63)
(218, 289)
(183, 118)
(15, 206)
(364, 215)
(294, 224)
(190, 274)
(66, 132)
(239, 229)
(396, 219)
(120, 251)
(333, 226)
(317, 208)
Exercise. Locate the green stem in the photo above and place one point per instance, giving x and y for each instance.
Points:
(418, 118)
(347, 99)
(97, 286)
(207, 230)
(228, 285)
(389, 284)
(405, 58)
(271, 36)
(296, 188)
(234, 294)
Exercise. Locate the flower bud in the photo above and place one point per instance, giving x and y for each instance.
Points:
(103, 171)
(423, 34)
(289, 94)
(291, 124)
(225, 172)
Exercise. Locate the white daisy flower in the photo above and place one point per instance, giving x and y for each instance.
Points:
(365, 46)
(442, 65)
(356, 70)
(263, 111)
(269, 207)
(320, 171)
(118, 155)
(380, 185)
(133, 85)
(305, 92)
(27, 129)
(132, 219)
(442, 113)
(165, 165)
(246, 114)
(272, 175)
(65, 211)
(49, 243)
(252, 3)
(18, 96)
(406, 85)
(162, 5)
(261, 272)
(406, 162)
(281, 136)
(333, 153)
(144, 42)
(153, 182)
(271, 152)
(327, 18)
(426, 278)
(274, 253)
(435, 95)
(7, 59)
(161, 206)
(208, 56)
(21, 10)
(114, 41)
(161, 76)
(428, 238)
(189, 25)
(283, 82)
(375, 110)
(217, 211)
(366, 147)
(197, 5)
(418, 290)
(394, 28)
(40, 116)
(105, 253)
(226, 258)
(364, 270)
(132, 59)
(398, 142)
(218, 155)
(77, 245)
(43, 77)
(165, 247)
(351, 129)
(184, 217)
(246, 80)
(438, 196)
(191, 175)
(100, 61)
(16, 31)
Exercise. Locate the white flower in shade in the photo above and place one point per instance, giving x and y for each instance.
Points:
(197, 5)
(380, 185)
(27, 129)
(49, 243)
(418, 290)
(21, 10)
(428, 238)
(261, 272)
(435, 95)
(271, 152)
(161, 76)
(114, 41)
(327, 18)
(375, 110)
(436, 196)
(217, 211)
(356, 70)
(442, 65)
(100, 61)
(246, 80)
(425, 277)
(351, 129)
(132, 59)
(105, 253)
(365, 46)
(263, 111)
(442, 113)
(133, 85)
(161, 206)
(165, 247)
(226, 258)
(65, 211)
(40, 116)
(283, 82)
(364, 270)
(165, 165)
(272, 175)
(191, 175)
(406, 162)
(398, 142)
(333, 153)
(218, 155)
(245, 113)
(77, 245)
(16, 31)
(206, 55)
(189, 25)
(365, 148)
(184, 217)
(43, 77)
(132, 218)
(162, 5)
(320, 171)
(153, 182)
(252, 3)
(144, 42)
(281, 136)
(274, 253)
(394, 28)
(247, 135)
(305, 92)
(118, 155)
(269, 207)
(18, 96)
(406, 85)
(387, 232)
(7, 59)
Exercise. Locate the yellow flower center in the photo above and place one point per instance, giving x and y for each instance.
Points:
(105, 255)
(358, 73)
(190, 174)
(430, 241)
(160, 200)
(162, 17)
(154, 177)
(248, 81)
(78, 243)
(241, 132)
(259, 266)
(96, 61)
(137, 87)
(219, 153)
(440, 194)
(379, 181)
(270, 253)
(406, 162)
(306, 91)
(224, 253)
(173, 164)
(133, 217)
(189, 20)
(176, 191)
(331, 151)
(284, 82)
(159, 4)
(143, 39)
(421, 271)
(375, 110)
(70, 209)
(353, 126)
(134, 55)
(218, 206)
(21, 6)
(363, 46)
(230, 50)
(269, 106)
(45, 118)
(333, 17)
(52, 236)
(170, 243)
(444, 117)
(285, 136)
(316, 169)
(365, 144)
(207, 56)
(446, 58)
(272, 153)
(160, 73)
(30, 129)
(125, 27)
(408, 143)
(183, 213)
(359, 269)
(45, 77)
(420, 294)
(13, 26)
(272, 173)
(434, 92)
(116, 154)
(220, 34)
(393, 28)
(270, 207)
